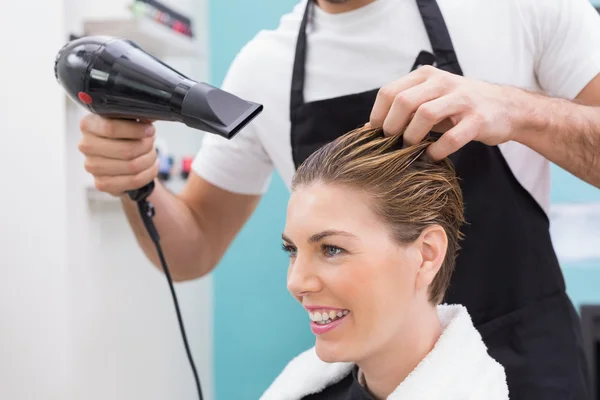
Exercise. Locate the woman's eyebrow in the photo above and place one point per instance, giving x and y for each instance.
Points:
(330, 232)
(321, 235)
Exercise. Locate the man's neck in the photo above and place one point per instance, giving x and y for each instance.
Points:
(336, 7)
(384, 371)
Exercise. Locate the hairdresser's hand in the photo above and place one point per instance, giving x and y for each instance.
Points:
(119, 154)
(429, 99)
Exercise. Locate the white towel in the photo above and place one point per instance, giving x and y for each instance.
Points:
(458, 368)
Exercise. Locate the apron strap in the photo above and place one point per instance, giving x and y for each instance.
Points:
(297, 93)
(436, 28)
(439, 37)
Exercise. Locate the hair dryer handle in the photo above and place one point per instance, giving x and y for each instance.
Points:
(141, 193)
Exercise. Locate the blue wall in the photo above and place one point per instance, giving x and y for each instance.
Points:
(568, 189)
(258, 327)
(582, 278)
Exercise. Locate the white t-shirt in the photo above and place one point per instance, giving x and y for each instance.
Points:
(551, 46)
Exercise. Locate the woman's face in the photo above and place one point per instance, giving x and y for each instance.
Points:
(360, 287)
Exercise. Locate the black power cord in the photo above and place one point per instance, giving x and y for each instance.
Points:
(146, 210)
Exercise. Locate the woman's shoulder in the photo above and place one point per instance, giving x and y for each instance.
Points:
(459, 363)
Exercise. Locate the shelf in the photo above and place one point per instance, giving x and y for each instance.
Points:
(153, 37)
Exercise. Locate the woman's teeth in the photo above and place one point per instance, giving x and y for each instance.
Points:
(325, 317)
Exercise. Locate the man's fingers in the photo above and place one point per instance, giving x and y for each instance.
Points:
(115, 128)
(118, 149)
(407, 103)
(387, 94)
(117, 185)
(429, 115)
(451, 141)
(100, 166)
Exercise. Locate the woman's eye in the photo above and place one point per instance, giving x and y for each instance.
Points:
(289, 249)
(331, 251)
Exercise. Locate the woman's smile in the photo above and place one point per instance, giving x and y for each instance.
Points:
(324, 319)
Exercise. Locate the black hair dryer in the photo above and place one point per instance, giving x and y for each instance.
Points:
(115, 78)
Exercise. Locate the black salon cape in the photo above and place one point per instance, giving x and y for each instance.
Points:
(348, 388)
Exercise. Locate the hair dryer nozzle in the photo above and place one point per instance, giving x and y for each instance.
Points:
(214, 110)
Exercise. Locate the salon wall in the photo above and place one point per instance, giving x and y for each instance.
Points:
(582, 273)
(258, 327)
(35, 350)
(83, 314)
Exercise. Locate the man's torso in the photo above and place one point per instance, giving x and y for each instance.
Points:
(368, 48)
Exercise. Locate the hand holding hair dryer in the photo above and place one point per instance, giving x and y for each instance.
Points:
(115, 78)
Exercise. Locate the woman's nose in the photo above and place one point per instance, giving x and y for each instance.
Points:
(302, 278)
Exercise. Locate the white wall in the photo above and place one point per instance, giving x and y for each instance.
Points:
(83, 314)
(35, 342)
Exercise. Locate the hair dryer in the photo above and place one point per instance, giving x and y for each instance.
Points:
(115, 78)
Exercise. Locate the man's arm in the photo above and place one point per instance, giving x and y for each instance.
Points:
(565, 38)
(566, 133)
(196, 226)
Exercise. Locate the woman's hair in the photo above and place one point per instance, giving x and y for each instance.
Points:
(409, 192)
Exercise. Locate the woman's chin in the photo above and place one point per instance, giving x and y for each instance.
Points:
(331, 352)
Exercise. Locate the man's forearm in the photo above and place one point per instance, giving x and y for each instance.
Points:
(566, 133)
(181, 238)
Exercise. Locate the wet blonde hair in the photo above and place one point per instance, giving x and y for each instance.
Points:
(409, 192)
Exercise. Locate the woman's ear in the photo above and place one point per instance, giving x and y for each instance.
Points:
(433, 244)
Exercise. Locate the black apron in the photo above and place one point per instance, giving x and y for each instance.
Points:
(507, 273)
